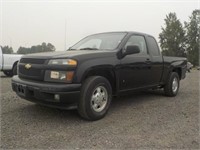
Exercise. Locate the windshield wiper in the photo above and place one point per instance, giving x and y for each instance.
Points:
(89, 48)
(71, 49)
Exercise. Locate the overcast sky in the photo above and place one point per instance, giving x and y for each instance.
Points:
(27, 23)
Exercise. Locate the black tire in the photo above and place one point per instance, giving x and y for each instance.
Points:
(85, 105)
(14, 71)
(8, 73)
(168, 88)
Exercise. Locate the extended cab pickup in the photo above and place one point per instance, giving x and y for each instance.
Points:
(95, 69)
(8, 63)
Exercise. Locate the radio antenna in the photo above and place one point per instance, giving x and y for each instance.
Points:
(65, 42)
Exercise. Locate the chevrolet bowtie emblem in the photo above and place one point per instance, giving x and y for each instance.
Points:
(28, 66)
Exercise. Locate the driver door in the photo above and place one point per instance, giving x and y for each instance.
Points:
(135, 68)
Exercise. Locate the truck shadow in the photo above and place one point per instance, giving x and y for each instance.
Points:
(42, 112)
(137, 98)
(140, 96)
(3, 76)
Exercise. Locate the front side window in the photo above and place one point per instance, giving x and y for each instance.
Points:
(139, 41)
(103, 41)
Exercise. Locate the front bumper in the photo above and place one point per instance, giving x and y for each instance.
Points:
(50, 94)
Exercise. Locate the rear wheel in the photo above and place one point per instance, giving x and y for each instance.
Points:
(172, 86)
(12, 72)
(96, 95)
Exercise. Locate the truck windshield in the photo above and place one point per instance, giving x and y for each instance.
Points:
(103, 41)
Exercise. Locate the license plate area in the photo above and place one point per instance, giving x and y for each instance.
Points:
(21, 89)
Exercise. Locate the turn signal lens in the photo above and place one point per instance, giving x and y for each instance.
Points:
(70, 75)
(71, 62)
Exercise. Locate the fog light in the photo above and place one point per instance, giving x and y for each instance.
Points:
(57, 97)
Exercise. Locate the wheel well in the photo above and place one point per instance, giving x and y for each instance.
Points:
(108, 74)
(14, 64)
(177, 70)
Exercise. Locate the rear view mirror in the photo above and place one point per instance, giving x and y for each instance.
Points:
(132, 49)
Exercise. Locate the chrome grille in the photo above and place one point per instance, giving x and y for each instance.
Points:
(34, 72)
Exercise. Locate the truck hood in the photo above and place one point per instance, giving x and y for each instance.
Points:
(70, 54)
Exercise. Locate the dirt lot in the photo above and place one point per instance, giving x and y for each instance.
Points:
(143, 120)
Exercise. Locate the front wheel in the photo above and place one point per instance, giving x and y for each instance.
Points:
(96, 95)
(172, 86)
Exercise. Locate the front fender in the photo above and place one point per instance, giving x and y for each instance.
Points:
(86, 66)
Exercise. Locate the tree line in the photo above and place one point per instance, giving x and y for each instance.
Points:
(181, 40)
(27, 50)
(176, 39)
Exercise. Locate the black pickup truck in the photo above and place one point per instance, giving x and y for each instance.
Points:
(95, 69)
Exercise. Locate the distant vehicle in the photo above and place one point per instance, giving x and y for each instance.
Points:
(95, 69)
(198, 68)
(189, 66)
(8, 63)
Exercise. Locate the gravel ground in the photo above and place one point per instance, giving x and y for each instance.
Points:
(143, 120)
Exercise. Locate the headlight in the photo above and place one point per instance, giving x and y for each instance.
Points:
(69, 62)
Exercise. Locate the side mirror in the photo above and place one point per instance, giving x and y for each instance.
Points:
(132, 49)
